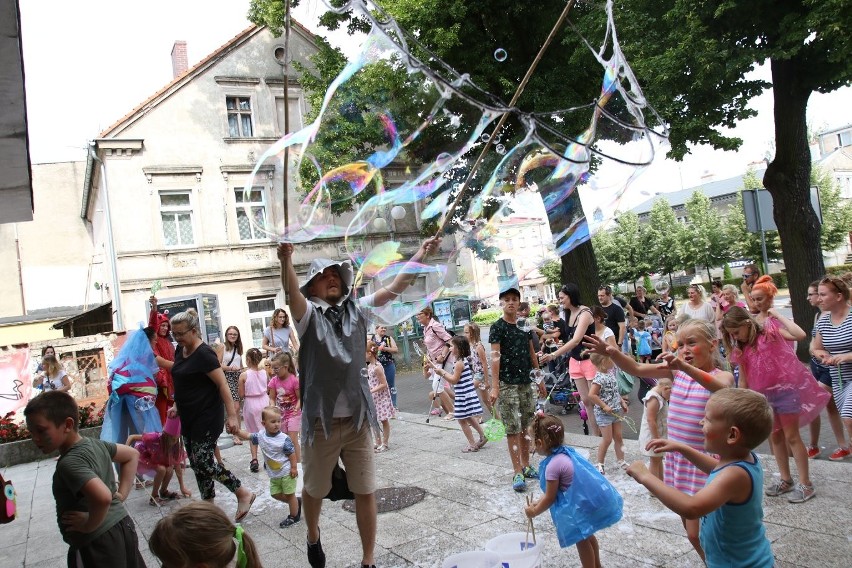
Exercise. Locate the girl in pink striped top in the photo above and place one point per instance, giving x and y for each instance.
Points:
(696, 374)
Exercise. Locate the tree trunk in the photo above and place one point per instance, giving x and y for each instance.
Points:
(788, 180)
(581, 267)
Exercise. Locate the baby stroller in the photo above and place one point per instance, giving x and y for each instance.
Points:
(561, 388)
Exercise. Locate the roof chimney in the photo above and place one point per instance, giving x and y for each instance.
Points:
(179, 62)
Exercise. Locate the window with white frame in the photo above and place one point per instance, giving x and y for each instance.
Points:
(251, 213)
(260, 310)
(239, 117)
(176, 214)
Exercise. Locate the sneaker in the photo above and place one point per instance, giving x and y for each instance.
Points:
(600, 468)
(519, 484)
(813, 451)
(289, 521)
(779, 488)
(801, 493)
(316, 556)
(530, 472)
(622, 464)
(840, 454)
(381, 448)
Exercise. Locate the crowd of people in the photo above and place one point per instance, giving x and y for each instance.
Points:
(718, 375)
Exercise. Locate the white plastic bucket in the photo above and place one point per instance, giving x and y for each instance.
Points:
(472, 559)
(516, 550)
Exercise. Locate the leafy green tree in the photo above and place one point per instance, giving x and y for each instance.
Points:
(704, 238)
(698, 64)
(836, 213)
(552, 271)
(726, 272)
(665, 238)
(622, 251)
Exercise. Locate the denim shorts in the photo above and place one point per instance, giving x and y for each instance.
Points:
(822, 373)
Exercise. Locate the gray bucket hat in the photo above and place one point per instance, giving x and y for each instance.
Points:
(320, 264)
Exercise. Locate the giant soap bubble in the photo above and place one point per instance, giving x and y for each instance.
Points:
(423, 131)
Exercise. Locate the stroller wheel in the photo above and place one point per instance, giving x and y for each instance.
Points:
(563, 411)
(570, 406)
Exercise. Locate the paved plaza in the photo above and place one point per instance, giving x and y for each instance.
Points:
(468, 501)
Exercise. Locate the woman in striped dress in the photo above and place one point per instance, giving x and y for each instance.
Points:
(695, 373)
(832, 345)
(467, 406)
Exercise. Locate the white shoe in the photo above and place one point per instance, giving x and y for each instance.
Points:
(600, 468)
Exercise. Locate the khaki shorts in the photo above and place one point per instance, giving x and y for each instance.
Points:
(354, 447)
(517, 407)
(285, 485)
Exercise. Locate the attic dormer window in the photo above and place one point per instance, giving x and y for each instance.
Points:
(239, 117)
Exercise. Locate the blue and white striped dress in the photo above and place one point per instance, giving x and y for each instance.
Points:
(467, 401)
(837, 340)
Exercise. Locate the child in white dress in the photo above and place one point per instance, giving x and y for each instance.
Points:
(654, 420)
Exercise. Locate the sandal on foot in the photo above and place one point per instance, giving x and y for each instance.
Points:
(243, 511)
(449, 416)
(481, 443)
(168, 495)
(469, 449)
(156, 501)
(186, 493)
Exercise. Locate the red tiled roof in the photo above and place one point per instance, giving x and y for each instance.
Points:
(233, 42)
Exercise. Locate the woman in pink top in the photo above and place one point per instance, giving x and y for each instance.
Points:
(252, 389)
(436, 339)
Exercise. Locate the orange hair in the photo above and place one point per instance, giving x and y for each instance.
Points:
(766, 285)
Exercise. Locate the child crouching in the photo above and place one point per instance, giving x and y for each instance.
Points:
(730, 505)
(581, 500)
(277, 448)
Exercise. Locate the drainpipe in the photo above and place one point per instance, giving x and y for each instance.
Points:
(118, 321)
(20, 272)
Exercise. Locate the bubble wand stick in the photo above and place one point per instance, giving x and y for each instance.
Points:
(505, 116)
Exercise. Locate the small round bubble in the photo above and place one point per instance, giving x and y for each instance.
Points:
(500, 54)
(485, 137)
(500, 149)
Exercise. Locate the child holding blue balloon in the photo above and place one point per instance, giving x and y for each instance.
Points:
(581, 501)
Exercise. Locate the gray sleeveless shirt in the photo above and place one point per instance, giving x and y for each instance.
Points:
(330, 366)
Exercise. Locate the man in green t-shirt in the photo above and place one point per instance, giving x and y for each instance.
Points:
(512, 359)
(90, 511)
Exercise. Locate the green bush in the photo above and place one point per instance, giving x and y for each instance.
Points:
(487, 317)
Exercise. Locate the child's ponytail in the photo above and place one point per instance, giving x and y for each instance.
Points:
(201, 533)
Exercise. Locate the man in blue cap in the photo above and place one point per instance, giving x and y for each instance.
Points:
(338, 415)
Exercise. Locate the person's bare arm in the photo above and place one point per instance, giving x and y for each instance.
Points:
(719, 381)
(495, 372)
(218, 378)
(128, 460)
(584, 320)
(452, 378)
(652, 406)
(595, 398)
(788, 329)
(536, 508)
(241, 385)
(624, 361)
(622, 327)
(289, 280)
(732, 484)
(404, 278)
